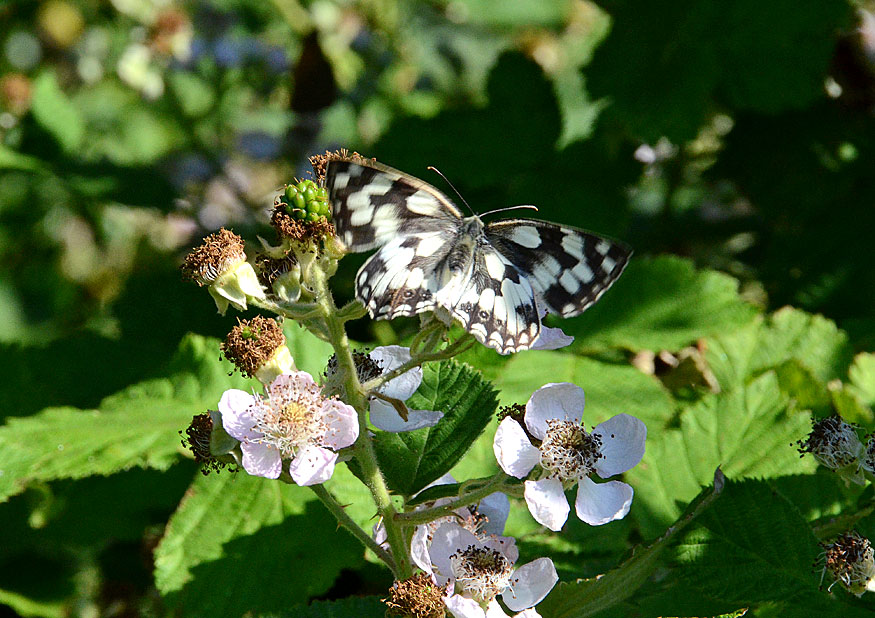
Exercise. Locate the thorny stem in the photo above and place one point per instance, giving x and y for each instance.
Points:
(424, 516)
(363, 447)
(457, 347)
(346, 521)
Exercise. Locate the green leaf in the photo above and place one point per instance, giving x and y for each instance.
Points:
(752, 546)
(589, 597)
(56, 113)
(813, 341)
(239, 543)
(12, 160)
(609, 389)
(748, 431)
(661, 303)
(136, 427)
(311, 354)
(862, 378)
(351, 607)
(413, 459)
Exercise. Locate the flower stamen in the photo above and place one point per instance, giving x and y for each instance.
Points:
(568, 452)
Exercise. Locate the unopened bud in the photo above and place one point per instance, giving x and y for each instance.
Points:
(417, 596)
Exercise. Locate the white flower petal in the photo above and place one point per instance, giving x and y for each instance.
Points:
(623, 438)
(547, 503)
(493, 610)
(495, 507)
(530, 584)
(379, 533)
(446, 540)
(261, 460)
(419, 549)
(391, 357)
(343, 424)
(528, 613)
(513, 451)
(312, 465)
(559, 400)
(463, 607)
(551, 339)
(599, 503)
(505, 545)
(384, 416)
(236, 408)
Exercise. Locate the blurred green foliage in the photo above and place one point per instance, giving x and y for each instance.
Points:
(737, 138)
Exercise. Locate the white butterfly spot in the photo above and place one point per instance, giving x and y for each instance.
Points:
(487, 299)
(428, 245)
(494, 266)
(569, 282)
(527, 236)
(583, 272)
(421, 203)
(608, 264)
(573, 246)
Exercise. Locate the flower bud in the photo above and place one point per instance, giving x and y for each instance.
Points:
(282, 275)
(220, 263)
(209, 442)
(257, 347)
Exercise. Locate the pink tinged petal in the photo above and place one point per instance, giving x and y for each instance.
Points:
(312, 465)
(513, 451)
(551, 339)
(446, 540)
(463, 607)
(493, 610)
(391, 357)
(290, 381)
(530, 584)
(547, 503)
(496, 508)
(343, 424)
(599, 503)
(384, 416)
(261, 460)
(623, 438)
(560, 400)
(236, 408)
(419, 549)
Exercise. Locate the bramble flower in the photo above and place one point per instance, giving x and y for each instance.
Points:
(567, 455)
(295, 421)
(851, 560)
(383, 415)
(834, 443)
(220, 263)
(550, 338)
(476, 570)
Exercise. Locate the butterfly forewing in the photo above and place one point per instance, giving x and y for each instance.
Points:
(569, 269)
(371, 204)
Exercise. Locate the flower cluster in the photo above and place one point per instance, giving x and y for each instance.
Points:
(834, 444)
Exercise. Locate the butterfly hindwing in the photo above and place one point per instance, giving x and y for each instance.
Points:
(497, 304)
(569, 269)
(371, 204)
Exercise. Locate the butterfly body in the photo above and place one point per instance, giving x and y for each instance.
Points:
(497, 279)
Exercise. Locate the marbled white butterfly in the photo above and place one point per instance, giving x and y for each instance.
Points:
(497, 279)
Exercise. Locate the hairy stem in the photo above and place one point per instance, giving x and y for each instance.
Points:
(346, 521)
(457, 347)
(364, 449)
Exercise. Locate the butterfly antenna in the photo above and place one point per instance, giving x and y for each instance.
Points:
(492, 212)
(439, 173)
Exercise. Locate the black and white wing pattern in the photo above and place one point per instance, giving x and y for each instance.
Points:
(497, 280)
(569, 269)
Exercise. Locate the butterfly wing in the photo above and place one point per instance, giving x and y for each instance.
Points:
(496, 303)
(568, 269)
(400, 278)
(372, 204)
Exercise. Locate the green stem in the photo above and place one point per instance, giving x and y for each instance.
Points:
(346, 521)
(363, 448)
(424, 516)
